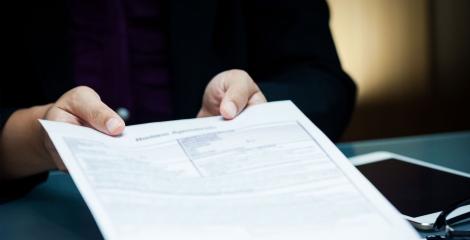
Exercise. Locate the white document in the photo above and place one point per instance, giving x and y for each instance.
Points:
(268, 174)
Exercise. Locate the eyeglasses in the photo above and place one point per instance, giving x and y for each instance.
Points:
(445, 223)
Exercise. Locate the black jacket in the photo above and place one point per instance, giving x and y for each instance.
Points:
(286, 46)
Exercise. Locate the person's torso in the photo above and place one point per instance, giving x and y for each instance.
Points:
(120, 50)
(203, 39)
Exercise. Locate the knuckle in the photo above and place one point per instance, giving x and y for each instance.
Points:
(74, 93)
(238, 74)
(80, 92)
(239, 79)
(77, 91)
(77, 99)
(83, 89)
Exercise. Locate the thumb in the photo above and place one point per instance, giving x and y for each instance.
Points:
(86, 104)
(238, 92)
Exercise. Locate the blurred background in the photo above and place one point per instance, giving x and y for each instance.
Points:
(411, 62)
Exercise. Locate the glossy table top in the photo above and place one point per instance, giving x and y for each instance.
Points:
(449, 149)
(55, 209)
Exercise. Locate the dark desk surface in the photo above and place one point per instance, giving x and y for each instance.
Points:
(55, 209)
(450, 149)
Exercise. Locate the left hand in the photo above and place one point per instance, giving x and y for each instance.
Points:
(228, 93)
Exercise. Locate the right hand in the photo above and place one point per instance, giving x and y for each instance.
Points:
(82, 106)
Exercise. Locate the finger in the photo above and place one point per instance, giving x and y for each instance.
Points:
(86, 104)
(58, 114)
(203, 113)
(257, 98)
(238, 92)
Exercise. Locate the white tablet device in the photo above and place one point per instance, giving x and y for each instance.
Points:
(419, 190)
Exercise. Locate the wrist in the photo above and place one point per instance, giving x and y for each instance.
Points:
(38, 142)
(22, 145)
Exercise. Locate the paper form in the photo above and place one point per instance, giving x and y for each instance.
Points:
(268, 174)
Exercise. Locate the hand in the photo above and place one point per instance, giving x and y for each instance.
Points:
(82, 106)
(228, 93)
(25, 148)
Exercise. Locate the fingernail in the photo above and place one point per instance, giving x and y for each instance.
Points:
(230, 109)
(113, 124)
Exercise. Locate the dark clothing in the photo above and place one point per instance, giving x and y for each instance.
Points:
(286, 47)
(120, 50)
